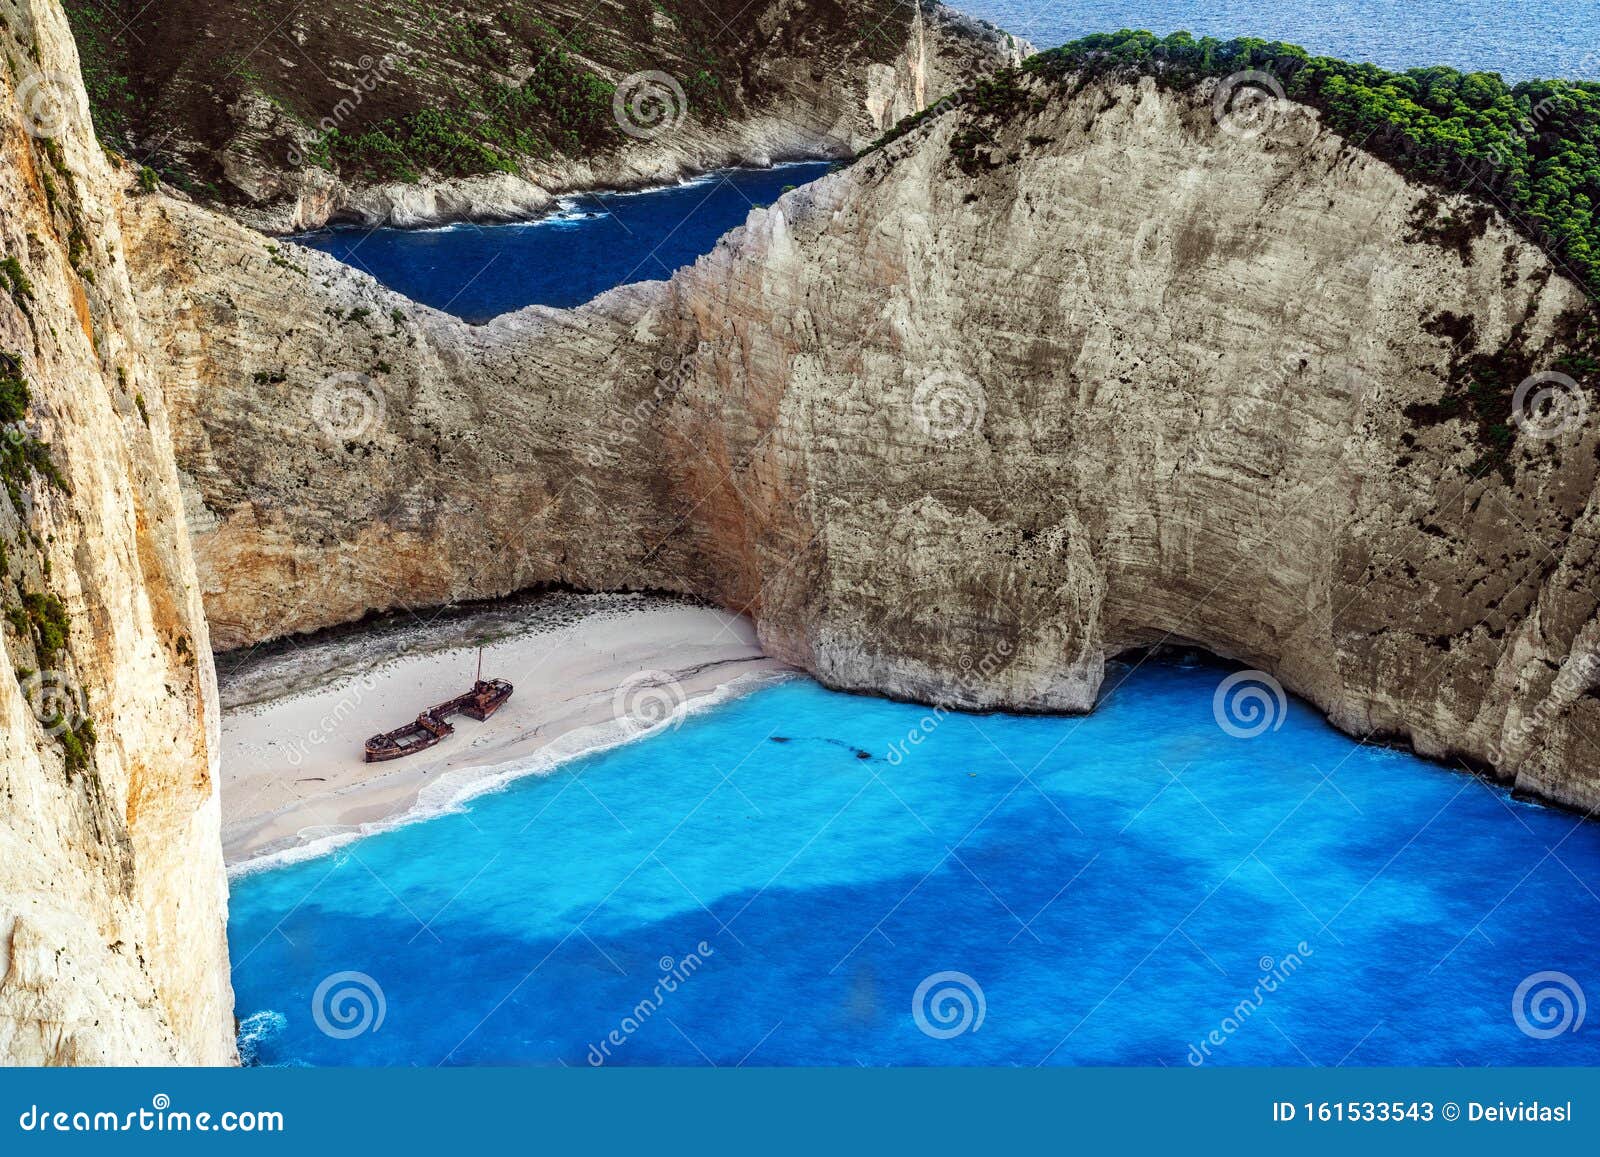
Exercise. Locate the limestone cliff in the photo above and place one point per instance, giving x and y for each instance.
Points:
(957, 423)
(112, 894)
(415, 114)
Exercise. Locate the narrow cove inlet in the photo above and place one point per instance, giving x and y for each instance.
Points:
(592, 243)
(1203, 871)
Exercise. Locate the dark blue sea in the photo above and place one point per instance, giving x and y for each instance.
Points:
(1516, 38)
(596, 242)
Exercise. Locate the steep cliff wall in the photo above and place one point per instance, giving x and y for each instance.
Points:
(958, 423)
(411, 114)
(112, 894)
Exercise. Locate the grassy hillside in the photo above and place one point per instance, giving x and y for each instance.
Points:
(208, 91)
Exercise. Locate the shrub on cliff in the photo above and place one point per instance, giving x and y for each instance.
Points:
(50, 622)
(14, 395)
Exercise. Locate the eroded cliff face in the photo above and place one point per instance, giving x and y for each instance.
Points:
(956, 424)
(112, 893)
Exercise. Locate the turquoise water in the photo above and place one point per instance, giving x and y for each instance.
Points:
(1114, 886)
(597, 242)
(1516, 38)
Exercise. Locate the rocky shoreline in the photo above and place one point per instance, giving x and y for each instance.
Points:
(803, 120)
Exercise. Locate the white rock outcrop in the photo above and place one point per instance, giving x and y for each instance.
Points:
(112, 896)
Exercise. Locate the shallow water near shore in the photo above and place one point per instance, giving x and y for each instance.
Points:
(594, 242)
(1138, 886)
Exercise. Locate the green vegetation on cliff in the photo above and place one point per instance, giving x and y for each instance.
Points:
(560, 107)
(14, 392)
(50, 623)
(400, 89)
(21, 454)
(1531, 149)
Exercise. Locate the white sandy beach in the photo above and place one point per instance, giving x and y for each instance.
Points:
(294, 721)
